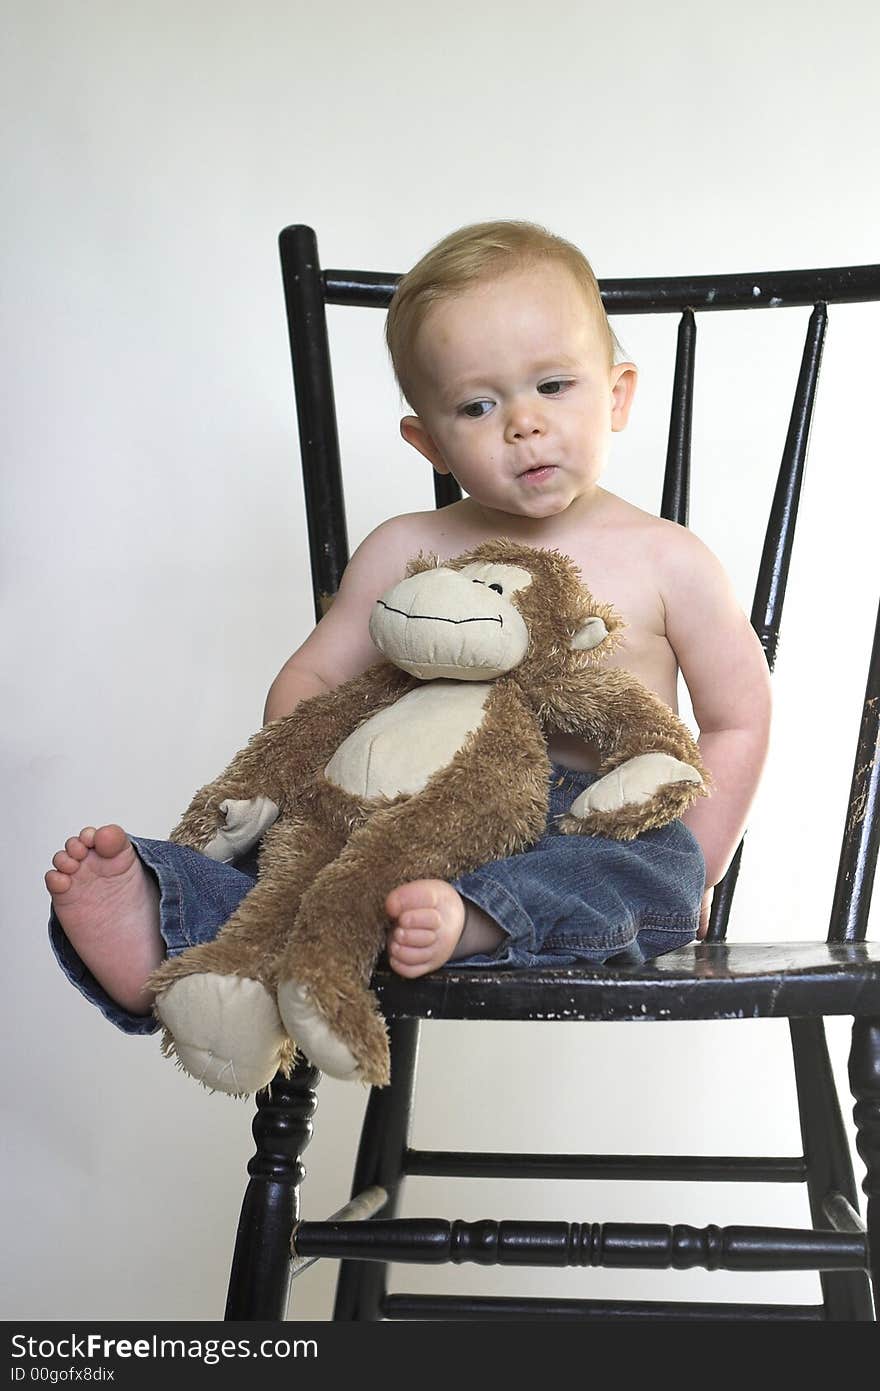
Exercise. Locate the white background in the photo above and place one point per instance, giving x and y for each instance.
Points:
(155, 558)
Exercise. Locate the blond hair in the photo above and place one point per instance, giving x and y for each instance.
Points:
(480, 252)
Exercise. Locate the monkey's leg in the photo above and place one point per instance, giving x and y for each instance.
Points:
(489, 801)
(216, 1001)
(323, 979)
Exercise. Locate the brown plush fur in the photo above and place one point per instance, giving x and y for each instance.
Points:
(316, 913)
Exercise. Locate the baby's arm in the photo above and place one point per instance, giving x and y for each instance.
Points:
(340, 646)
(728, 679)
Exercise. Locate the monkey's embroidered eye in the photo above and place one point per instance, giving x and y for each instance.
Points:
(497, 588)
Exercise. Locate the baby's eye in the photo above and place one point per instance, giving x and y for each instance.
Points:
(474, 409)
(497, 588)
(554, 388)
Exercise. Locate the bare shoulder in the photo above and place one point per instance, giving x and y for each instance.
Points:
(619, 518)
(446, 530)
(383, 554)
(686, 567)
(696, 590)
(340, 647)
(616, 526)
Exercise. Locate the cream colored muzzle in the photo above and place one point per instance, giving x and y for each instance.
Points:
(441, 623)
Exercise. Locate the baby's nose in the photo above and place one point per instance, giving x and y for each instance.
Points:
(524, 422)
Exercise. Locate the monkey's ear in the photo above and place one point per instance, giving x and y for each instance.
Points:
(590, 635)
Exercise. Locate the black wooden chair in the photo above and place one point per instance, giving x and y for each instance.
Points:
(800, 981)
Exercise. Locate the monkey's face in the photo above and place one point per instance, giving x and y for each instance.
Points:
(459, 624)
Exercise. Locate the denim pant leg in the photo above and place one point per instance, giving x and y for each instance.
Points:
(196, 897)
(589, 898)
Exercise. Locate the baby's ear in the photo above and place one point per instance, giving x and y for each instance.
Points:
(415, 433)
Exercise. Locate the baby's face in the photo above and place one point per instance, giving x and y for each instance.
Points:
(516, 395)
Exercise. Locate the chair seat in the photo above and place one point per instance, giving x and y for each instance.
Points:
(706, 980)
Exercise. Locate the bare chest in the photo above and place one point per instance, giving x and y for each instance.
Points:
(628, 584)
(616, 569)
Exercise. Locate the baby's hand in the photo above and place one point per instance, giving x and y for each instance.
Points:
(246, 822)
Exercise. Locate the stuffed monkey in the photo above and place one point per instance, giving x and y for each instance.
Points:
(429, 764)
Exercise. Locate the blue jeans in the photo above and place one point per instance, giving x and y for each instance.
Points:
(566, 899)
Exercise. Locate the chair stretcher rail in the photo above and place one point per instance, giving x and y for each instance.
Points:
(681, 1168)
(631, 1245)
(485, 1308)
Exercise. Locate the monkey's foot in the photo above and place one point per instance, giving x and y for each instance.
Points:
(353, 1046)
(225, 1031)
(634, 783)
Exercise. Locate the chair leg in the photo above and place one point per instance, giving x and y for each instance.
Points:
(846, 1294)
(259, 1283)
(864, 1081)
(384, 1140)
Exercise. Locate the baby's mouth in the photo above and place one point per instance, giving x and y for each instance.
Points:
(538, 471)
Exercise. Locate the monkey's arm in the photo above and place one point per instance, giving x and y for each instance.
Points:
(227, 816)
(651, 769)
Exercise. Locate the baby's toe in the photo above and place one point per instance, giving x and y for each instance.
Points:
(65, 862)
(413, 895)
(420, 920)
(410, 956)
(411, 937)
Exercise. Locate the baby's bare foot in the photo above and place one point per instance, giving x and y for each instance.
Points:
(433, 923)
(108, 906)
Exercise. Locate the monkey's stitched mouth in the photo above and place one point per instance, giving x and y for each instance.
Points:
(439, 618)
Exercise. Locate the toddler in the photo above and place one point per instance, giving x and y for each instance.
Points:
(502, 349)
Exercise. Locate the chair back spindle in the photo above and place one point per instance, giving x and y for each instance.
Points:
(316, 413)
(766, 615)
(779, 539)
(861, 833)
(675, 502)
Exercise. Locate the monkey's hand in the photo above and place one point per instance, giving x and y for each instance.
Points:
(246, 823)
(640, 794)
(222, 825)
(633, 783)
